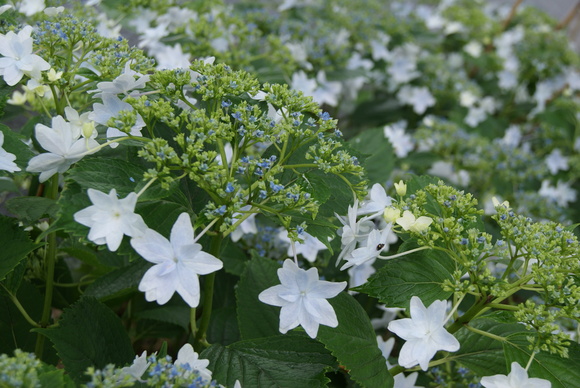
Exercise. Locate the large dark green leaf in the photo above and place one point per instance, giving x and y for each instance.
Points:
(257, 319)
(354, 344)
(281, 361)
(30, 209)
(15, 245)
(89, 334)
(104, 174)
(122, 281)
(417, 274)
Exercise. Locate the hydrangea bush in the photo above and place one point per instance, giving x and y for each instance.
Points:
(294, 194)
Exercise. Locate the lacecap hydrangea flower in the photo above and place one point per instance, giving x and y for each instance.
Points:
(302, 296)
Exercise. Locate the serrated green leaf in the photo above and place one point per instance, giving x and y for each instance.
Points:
(380, 157)
(257, 319)
(417, 274)
(281, 361)
(89, 334)
(354, 344)
(105, 174)
(31, 209)
(122, 281)
(15, 245)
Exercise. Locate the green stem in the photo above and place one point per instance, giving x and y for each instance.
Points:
(19, 306)
(485, 333)
(50, 262)
(200, 341)
(468, 316)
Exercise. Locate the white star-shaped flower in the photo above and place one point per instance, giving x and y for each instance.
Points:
(377, 202)
(178, 262)
(64, 147)
(302, 296)
(424, 333)
(18, 59)
(518, 378)
(377, 242)
(187, 356)
(110, 218)
(123, 84)
(6, 158)
(353, 231)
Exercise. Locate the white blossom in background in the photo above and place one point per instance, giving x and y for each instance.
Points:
(110, 218)
(446, 170)
(178, 262)
(389, 313)
(517, 378)
(379, 47)
(473, 48)
(299, 54)
(247, 226)
(171, 57)
(6, 158)
(359, 274)
(562, 193)
(110, 108)
(138, 367)
(327, 92)
(29, 7)
(64, 145)
(424, 333)
(401, 142)
(18, 58)
(401, 381)
(187, 356)
(303, 298)
(419, 97)
(555, 161)
(309, 248)
(301, 82)
(512, 137)
(376, 203)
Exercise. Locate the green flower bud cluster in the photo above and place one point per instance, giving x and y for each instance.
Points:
(241, 143)
(21, 370)
(543, 320)
(549, 265)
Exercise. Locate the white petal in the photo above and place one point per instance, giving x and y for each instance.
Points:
(153, 247)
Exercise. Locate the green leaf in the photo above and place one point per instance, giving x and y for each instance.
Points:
(89, 334)
(31, 209)
(223, 328)
(105, 174)
(13, 143)
(257, 319)
(354, 344)
(416, 274)
(561, 372)
(233, 257)
(15, 245)
(174, 312)
(380, 158)
(120, 282)
(280, 361)
(484, 355)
